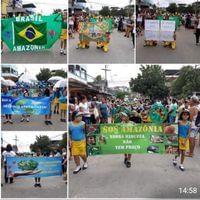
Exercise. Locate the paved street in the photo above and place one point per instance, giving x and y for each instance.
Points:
(151, 176)
(48, 56)
(36, 124)
(186, 51)
(52, 187)
(120, 51)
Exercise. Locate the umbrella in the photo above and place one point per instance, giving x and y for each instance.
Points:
(55, 78)
(62, 83)
(10, 83)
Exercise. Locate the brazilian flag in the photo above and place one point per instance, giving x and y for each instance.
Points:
(30, 33)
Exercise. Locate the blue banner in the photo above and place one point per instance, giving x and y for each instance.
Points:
(25, 105)
(27, 167)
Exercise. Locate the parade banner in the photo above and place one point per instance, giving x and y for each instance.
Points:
(95, 31)
(160, 30)
(152, 28)
(152, 25)
(29, 167)
(31, 33)
(167, 25)
(25, 105)
(132, 138)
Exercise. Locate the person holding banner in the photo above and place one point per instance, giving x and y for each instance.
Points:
(24, 116)
(77, 141)
(63, 105)
(63, 37)
(5, 92)
(125, 120)
(38, 179)
(48, 121)
(184, 127)
(8, 153)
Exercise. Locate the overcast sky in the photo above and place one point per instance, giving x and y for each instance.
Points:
(98, 4)
(35, 69)
(165, 3)
(47, 6)
(120, 75)
(26, 138)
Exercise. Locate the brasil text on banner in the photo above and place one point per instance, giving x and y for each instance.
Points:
(25, 105)
(34, 166)
(132, 138)
(31, 33)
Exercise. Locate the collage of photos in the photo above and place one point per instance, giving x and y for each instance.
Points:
(100, 99)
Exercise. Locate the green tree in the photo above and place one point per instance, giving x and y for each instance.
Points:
(150, 83)
(63, 142)
(58, 10)
(105, 11)
(42, 143)
(98, 79)
(121, 94)
(172, 8)
(187, 82)
(59, 72)
(44, 74)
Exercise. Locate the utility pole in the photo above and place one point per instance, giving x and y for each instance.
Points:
(106, 70)
(16, 140)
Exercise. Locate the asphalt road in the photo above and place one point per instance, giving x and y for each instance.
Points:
(36, 124)
(186, 51)
(48, 56)
(120, 51)
(52, 187)
(151, 176)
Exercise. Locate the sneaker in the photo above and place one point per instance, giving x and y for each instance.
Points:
(27, 120)
(64, 53)
(22, 119)
(174, 162)
(61, 120)
(128, 164)
(39, 185)
(46, 122)
(77, 170)
(10, 121)
(49, 122)
(85, 166)
(181, 168)
(125, 160)
(35, 185)
(61, 51)
(5, 122)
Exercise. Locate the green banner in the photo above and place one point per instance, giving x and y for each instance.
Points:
(132, 138)
(95, 31)
(31, 33)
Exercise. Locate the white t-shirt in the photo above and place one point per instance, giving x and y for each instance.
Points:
(7, 154)
(198, 27)
(86, 111)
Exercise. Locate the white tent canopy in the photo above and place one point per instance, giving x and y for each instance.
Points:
(10, 83)
(55, 78)
(60, 84)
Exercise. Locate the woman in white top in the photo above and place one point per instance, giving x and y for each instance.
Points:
(194, 101)
(7, 153)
